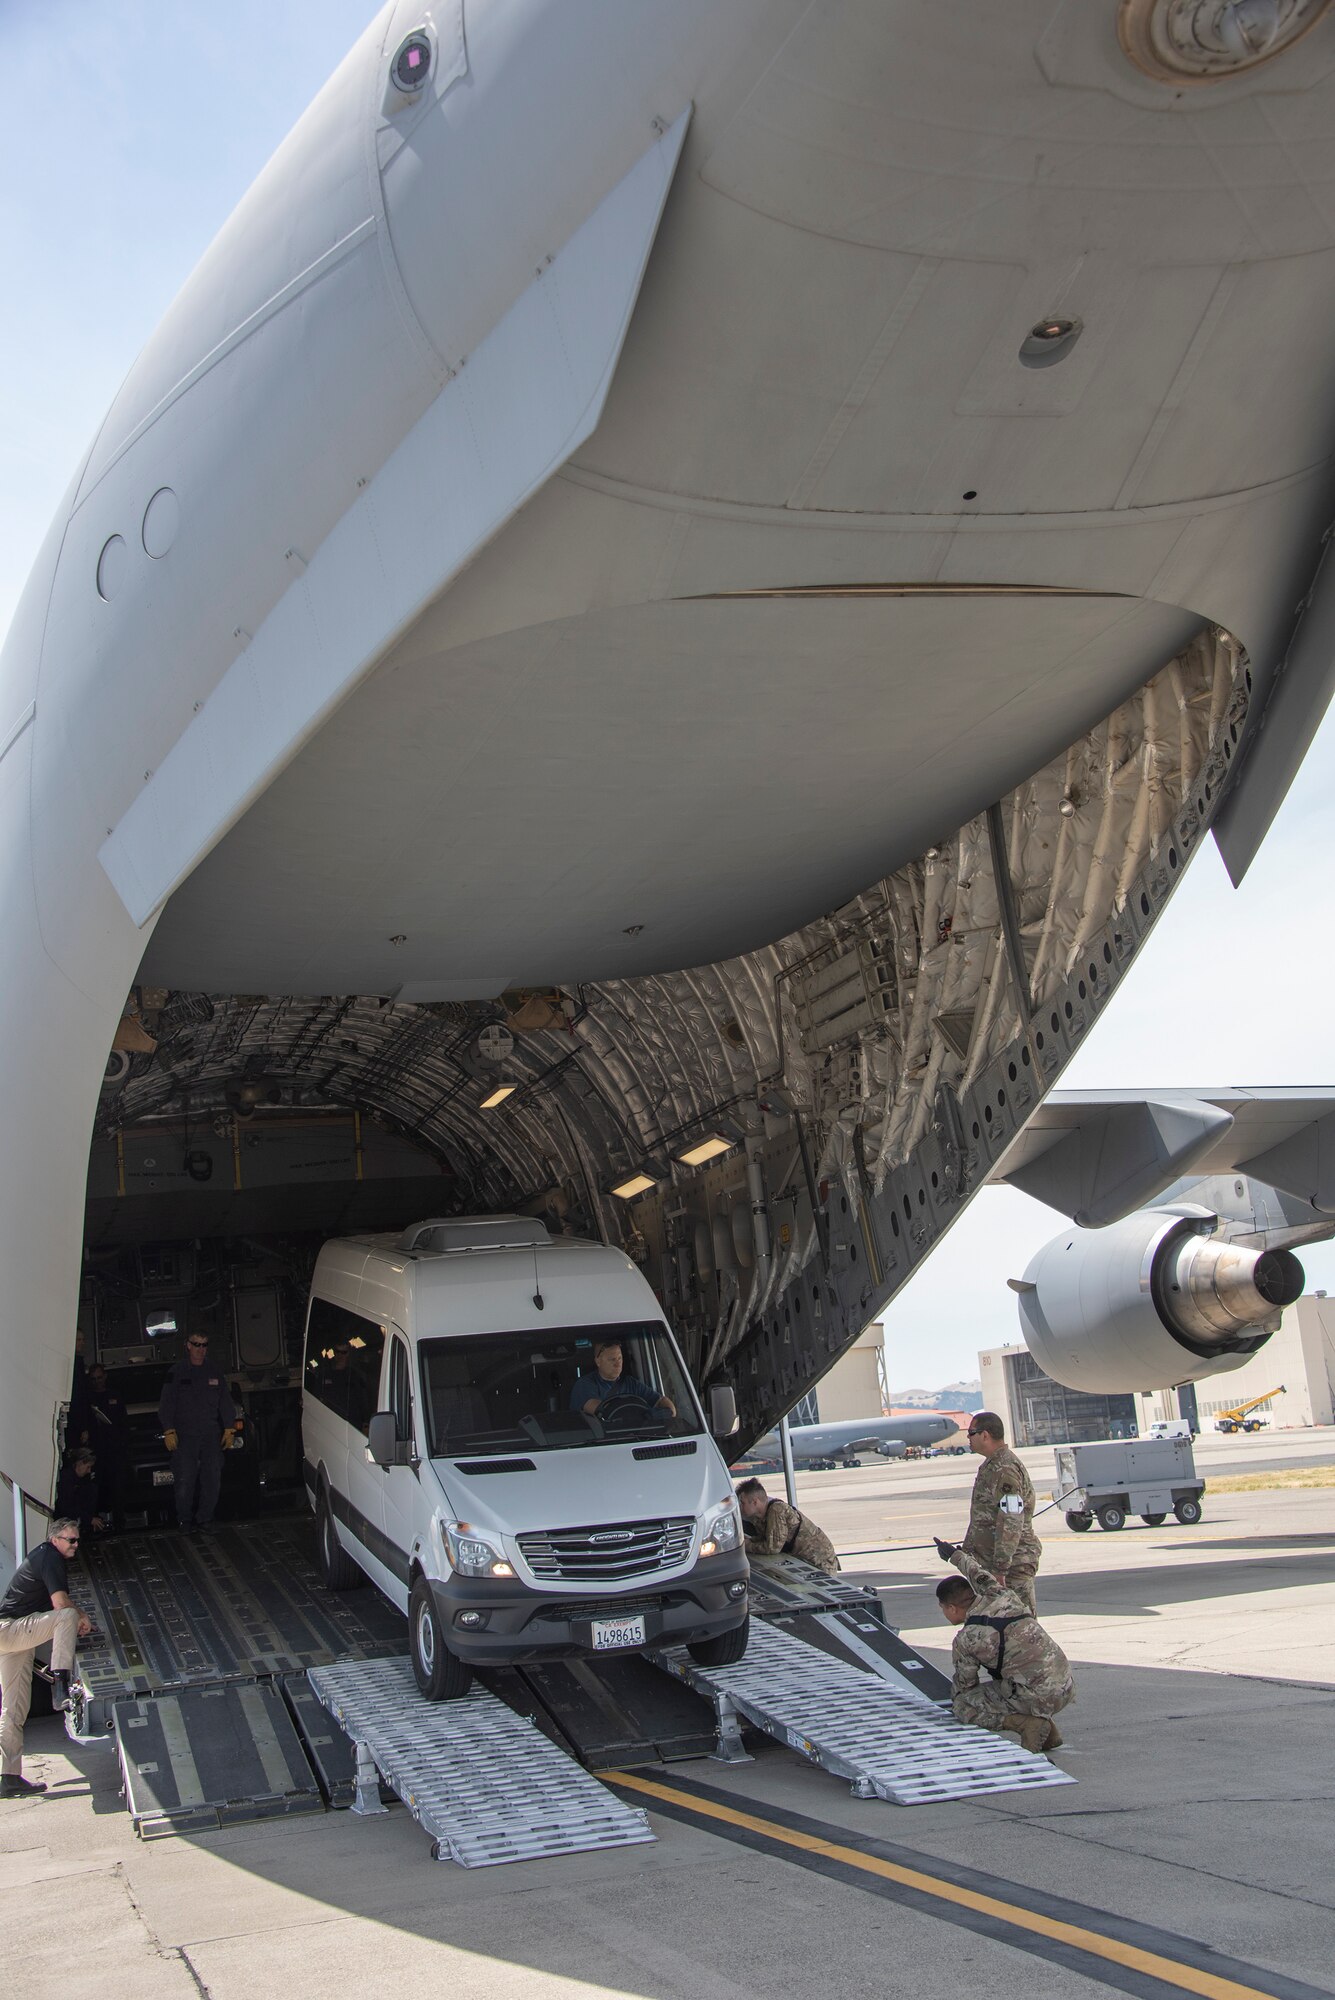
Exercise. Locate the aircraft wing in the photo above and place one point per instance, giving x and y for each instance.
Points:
(1099, 1155)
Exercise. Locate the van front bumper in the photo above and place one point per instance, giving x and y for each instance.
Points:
(523, 1623)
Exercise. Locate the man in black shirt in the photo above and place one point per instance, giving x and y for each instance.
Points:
(35, 1608)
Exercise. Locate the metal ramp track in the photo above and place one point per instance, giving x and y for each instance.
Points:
(207, 1757)
(241, 1603)
(854, 1724)
(483, 1782)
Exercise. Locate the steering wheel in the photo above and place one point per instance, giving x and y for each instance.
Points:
(614, 1411)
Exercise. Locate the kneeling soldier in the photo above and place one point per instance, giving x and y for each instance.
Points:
(1030, 1674)
(773, 1528)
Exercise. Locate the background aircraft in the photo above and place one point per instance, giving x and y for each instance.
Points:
(825, 1443)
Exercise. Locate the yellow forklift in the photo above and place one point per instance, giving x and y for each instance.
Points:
(1237, 1419)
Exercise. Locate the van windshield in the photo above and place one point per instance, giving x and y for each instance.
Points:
(550, 1390)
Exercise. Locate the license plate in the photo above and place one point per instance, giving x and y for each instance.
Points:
(610, 1634)
(163, 1478)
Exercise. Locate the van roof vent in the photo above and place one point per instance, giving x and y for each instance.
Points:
(475, 1232)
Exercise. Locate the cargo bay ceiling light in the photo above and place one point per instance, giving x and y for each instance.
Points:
(706, 1149)
(499, 1095)
(1208, 41)
(1050, 340)
(636, 1184)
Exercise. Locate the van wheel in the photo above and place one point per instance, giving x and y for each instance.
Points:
(441, 1674)
(1188, 1512)
(1112, 1518)
(1154, 1520)
(337, 1569)
(1081, 1523)
(725, 1650)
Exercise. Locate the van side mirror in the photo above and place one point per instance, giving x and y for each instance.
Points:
(384, 1443)
(722, 1410)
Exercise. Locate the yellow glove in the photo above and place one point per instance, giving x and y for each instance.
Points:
(229, 1438)
(169, 1438)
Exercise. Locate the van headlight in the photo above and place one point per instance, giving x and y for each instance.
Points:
(721, 1531)
(471, 1554)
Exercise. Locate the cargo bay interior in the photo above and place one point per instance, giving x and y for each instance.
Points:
(777, 1138)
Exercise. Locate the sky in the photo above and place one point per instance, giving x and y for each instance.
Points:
(129, 131)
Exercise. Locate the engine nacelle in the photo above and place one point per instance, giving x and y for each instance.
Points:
(1151, 1301)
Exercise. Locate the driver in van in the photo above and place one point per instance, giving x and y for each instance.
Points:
(609, 1382)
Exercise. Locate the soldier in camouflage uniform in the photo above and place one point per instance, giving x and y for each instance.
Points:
(773, 1528)
(1030, 1675)
(1001, 1513)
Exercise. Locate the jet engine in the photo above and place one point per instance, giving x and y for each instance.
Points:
(1151, 1301)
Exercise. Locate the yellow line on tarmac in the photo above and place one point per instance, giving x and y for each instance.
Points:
(1172, 1971)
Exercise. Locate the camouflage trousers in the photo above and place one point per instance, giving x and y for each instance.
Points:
(1021, 1581)
(992, 1703)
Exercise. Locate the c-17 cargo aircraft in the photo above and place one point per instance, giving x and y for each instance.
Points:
(645, 643)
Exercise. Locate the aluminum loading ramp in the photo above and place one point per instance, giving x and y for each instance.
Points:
(889, 1744)
(483, 1782)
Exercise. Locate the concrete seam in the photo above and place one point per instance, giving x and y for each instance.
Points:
(201, 1987)
(164, 1951)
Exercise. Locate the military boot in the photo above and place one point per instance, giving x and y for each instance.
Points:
(1054, 1741)
(1035, 1731)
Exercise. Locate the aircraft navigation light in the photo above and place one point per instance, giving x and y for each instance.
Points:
(636, 1184)
(706, 1149)
(412, 64)
(499, 1095)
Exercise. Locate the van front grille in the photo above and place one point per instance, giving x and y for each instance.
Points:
(606, 1555)
(574, 1610)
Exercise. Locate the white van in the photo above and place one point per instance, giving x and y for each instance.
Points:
(498, 1431)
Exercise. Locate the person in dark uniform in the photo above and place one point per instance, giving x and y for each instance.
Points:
(78, 1424)
(198, 1419)
(36, 1609)
(110, 1440)
(77, 1491)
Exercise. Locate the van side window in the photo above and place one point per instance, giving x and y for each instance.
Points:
(367, 1346)
(342, 1366)
(401, 1391)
